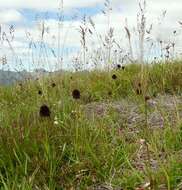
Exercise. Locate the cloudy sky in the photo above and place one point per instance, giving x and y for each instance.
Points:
(22, 23)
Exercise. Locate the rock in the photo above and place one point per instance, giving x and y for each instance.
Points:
(161, 109)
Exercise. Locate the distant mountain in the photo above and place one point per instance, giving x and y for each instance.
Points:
(11, 77)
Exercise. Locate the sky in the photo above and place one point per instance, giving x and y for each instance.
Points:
(22, 46)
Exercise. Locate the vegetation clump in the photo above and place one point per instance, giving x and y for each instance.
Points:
(117, 138)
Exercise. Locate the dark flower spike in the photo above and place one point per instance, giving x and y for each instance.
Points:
(53, 84)
(147, 98)
(114, 77)
(40, 92)
(155, 94)
(118, 66)
(76, 94)
(44, 111)
(139, 91)
(20, 86)
(110, 93)
(123, 67)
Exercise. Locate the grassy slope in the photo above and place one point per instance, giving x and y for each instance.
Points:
(78, 153)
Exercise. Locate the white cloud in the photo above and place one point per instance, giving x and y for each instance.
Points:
(122, 9)
(10, 15)
(47, 4)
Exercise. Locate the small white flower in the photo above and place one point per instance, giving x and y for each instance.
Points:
(56, 122)
(142, 141)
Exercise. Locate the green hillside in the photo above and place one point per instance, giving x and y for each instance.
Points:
(94, 130)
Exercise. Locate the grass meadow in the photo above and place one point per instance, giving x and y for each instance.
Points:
(118, 128)
(72, 146)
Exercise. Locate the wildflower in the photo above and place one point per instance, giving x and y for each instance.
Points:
(56, 121)
(118, 66)
(139, 91)
(53, 85)
(147, 98)
(40, 92)
(20, 86)
(76, 94)
(114, 77)
(142, 141)
(123, 67)
(44, 111)
(155, 94)
(110, 93)
(74, 114)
